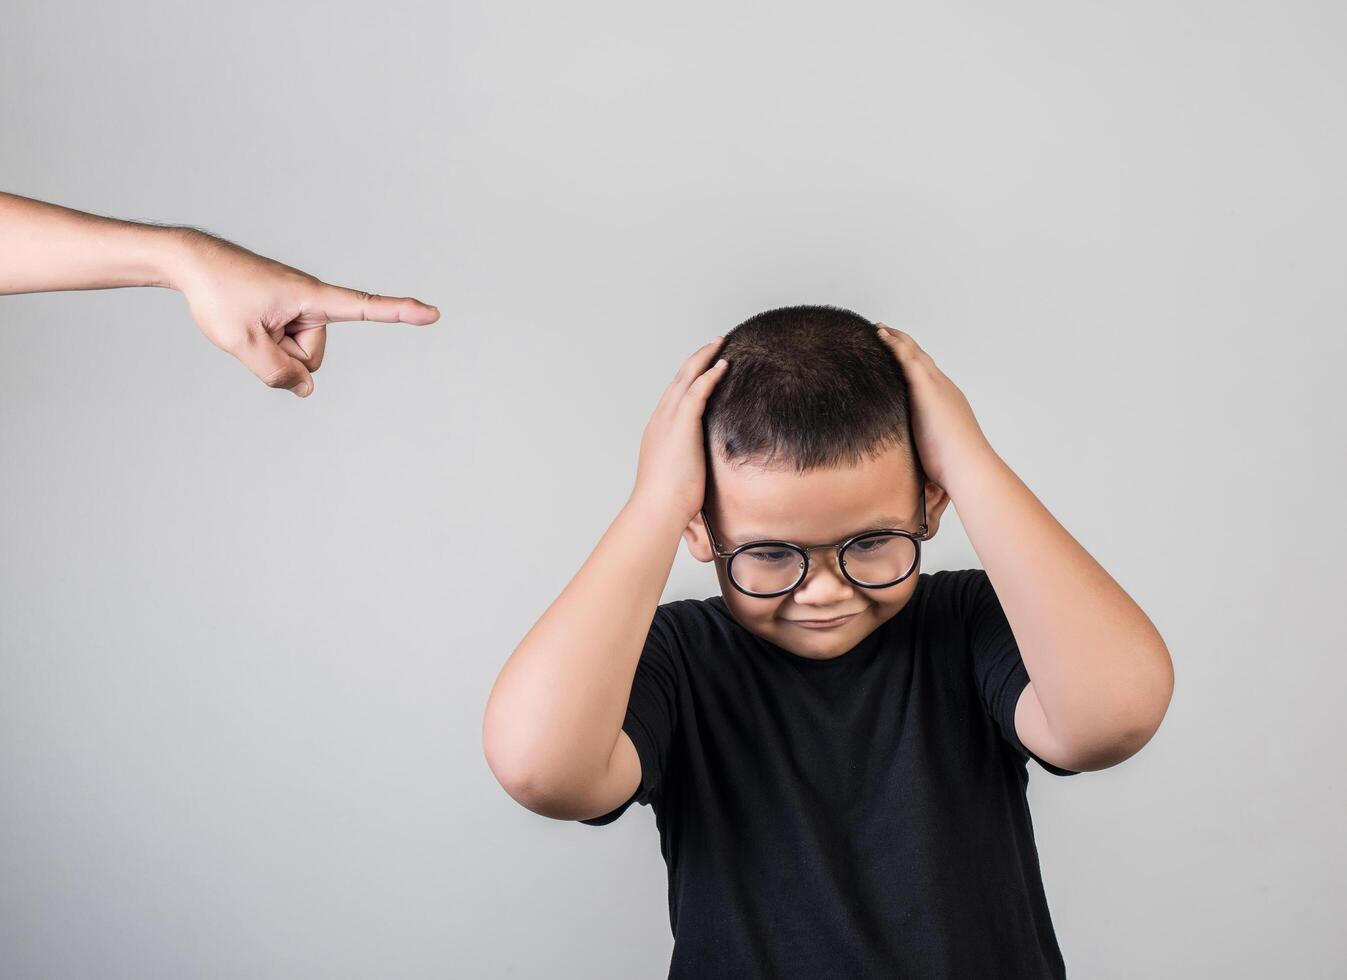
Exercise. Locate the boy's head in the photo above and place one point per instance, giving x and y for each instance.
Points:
(808, 441)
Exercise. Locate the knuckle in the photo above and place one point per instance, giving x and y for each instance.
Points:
(244, 339)
(253, 334)
(300, 277)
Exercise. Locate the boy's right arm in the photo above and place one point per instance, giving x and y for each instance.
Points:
(552, 731)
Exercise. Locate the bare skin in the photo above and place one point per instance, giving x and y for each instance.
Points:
(272, 317)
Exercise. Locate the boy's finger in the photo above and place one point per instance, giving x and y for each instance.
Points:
(688, 372)
(275, 367)
(915, 362)
(696, 365)
(341, 304)
(700, 390)
(895, 336)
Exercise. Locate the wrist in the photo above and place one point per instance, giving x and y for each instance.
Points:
(168, 253)
(970, 471)
(659, 516)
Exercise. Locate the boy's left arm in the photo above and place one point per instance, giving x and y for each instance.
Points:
(1100, 673)
(1101, 676)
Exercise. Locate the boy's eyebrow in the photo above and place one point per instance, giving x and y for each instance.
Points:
(879, 523)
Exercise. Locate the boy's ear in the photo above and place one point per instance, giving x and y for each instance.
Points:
(699, 542)
(936, 502)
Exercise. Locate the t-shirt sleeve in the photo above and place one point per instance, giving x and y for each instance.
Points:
(998, 668)
(652, 711)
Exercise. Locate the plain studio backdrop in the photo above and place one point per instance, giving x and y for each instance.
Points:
(246, 640)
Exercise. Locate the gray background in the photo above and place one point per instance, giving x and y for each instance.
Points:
(246, 640)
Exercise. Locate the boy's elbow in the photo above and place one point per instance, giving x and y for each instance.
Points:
(512, 770)
(531, 785)
(539, 794)
(1152, 709)
(505, 745)
(1132, 728)
(519, 780)
(547, 774)
(549, 792)
(527, 791)
(1128, 737)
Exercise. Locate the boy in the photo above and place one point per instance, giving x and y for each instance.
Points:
(835, 747)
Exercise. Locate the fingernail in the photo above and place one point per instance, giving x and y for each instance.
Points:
(303, 388)
(720, 362)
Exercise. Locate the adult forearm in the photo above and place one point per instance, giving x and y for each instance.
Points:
(1100, 668)
(556, 710)
(48, 247)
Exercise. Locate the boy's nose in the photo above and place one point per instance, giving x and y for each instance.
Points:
(825, 582)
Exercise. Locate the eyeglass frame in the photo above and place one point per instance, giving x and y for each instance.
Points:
(915, 537)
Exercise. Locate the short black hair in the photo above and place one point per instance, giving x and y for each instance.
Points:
(807, 387)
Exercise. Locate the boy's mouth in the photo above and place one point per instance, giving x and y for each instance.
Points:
(819, 624)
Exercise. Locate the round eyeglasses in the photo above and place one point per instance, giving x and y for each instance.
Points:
(875, 559)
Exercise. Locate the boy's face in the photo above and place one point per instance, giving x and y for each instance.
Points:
(746, 503)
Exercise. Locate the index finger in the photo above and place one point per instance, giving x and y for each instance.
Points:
(689, 371)
(340, 304)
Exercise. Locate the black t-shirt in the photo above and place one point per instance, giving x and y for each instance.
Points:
(864, 816)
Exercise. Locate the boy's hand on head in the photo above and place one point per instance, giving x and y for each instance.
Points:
(944, 427)
(671, 473)
(274, 318)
